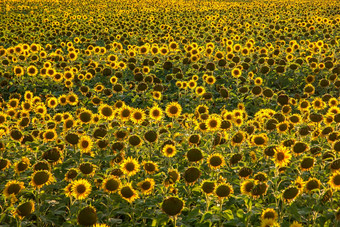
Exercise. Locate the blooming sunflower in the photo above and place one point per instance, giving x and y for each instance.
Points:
(282, 156)
(85, 144)
(269, 213)
(137, 116)
(169, 150)
(150, 167)
(41, 178)
(216, 161)
(147, 186)
(173, 109)
(130, 166)
(213, 123)
(156, 113)
(81, 189)
(105, 111)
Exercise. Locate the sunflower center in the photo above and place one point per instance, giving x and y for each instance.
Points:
(111, 185)
(126, 192)
(173, 110)
(130, 166)
(280, 156)
(81, 189)
(13, 189)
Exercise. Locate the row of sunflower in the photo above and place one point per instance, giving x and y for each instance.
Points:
(169, 113)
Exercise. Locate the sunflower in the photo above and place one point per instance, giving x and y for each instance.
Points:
(259, 140)
(238, 138)
(216, 161)
(213, 123)
(105, 111)
(125, 113)
(247, 187)
(282, 156)
(85, 144)
(81, 189)
(4, 164)
(269, 213)
(199, 90)
(296, 224)
(85, 116)
(71, 174)
(68, 189)
(32, 70)
(223, 190)
(111, 184)
(23, 165)
(290, 194)
(137, 116)
(334, 180)
(299, 183)
(236, 72)
(156, 113)
(130, 166)
(24, 209)
(172, 206)
(41, 178)
(269, 223)
(146, 186)
(150, 167)
(18, 71)
(173, 109)
(128, 193)
(169, 150)
(87, 216)
(13, 187)
(312, 184)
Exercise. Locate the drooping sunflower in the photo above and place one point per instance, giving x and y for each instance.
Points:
(111, 184)
(81, 189)
(334, 180)
(22, 165)
(290, 194)
(169, 150)
(247, 186)
(41, 178)
(147, 186)
(208, 187)
(312, 184)
(130, 166)
(13, 187)
(128, 193)
(24, 209)
(173, 109)
(282, 156)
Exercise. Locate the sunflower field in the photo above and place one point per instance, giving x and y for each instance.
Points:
(170, 113)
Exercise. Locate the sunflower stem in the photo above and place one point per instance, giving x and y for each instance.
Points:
(174, 221)
(221, 206)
